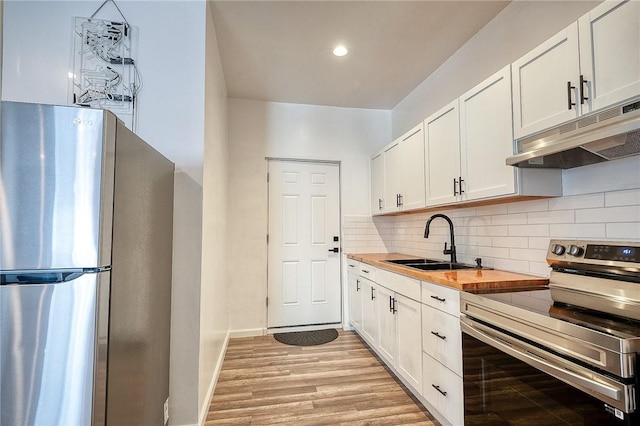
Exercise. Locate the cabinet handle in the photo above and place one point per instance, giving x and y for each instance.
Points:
(438, 298)
(390, 305)
(379, 203)
(394, 310)
(365, 271)
(357, 285)
(401, 197)
(372, 295)
(461, 190)
(397, 200)
(352, 266)
(435, 333)
(438, 389)
(455, 189)
(569, 87)
(582, 89)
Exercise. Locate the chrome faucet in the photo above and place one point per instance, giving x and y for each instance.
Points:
(451, 251)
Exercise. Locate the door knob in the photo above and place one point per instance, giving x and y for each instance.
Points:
(335, 250)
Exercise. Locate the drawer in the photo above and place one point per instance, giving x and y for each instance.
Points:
(368, 271)
(442, 338)
(408, 287)
(353, 266)
(443, 389)
(440, 297)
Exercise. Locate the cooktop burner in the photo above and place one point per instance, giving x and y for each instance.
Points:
(541, 303)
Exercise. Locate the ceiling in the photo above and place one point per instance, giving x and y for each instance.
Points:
(281, 51)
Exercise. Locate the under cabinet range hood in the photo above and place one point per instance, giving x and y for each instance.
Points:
(606, 135)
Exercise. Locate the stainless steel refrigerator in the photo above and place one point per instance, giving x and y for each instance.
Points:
(86, 212)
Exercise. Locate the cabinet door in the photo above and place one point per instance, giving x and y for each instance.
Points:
(486, 138)
(387, 339)
(355, 302)
(377, 184)
(413, 187)
(369, 311)
(442, 133)
(541, 96)
(409, 357)
(610, 53)
(392, 176)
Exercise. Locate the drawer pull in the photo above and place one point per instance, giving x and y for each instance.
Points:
(352, 266)
(438, 389)
(438, 298)
(435, 333)
(365, 271)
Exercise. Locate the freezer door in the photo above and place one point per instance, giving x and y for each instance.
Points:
(56, 176)
(48, 355)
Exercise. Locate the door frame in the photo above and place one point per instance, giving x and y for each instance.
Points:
(342, 298)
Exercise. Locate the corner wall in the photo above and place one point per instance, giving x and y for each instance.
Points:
(264, 129)
(214, 305)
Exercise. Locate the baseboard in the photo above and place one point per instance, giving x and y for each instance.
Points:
(214, 380)
(248, 332)
(303, 328)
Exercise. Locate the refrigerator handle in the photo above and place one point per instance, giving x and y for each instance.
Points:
(40, 277)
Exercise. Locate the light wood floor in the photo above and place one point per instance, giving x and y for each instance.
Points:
(266, 382)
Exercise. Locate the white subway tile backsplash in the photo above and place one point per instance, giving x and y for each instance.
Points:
(580, 231)
(622, 198)
(528, 254)
(609, 214)
(515, 242)
(556, 216)
(541, 243)
(509, 219)
(623, 231)
(529, 230)
(577, 202)
(509, 236)
(528, 206)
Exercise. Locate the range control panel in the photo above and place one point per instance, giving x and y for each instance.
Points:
(594, 251)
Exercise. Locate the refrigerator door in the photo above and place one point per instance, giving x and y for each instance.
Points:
(49, 364)
(56, 177)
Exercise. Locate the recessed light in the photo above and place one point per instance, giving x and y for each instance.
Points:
(340, 50)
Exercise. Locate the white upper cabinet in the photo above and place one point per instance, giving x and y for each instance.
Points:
(592, 64)
(377, 183)
(442, 135)
(393, 177)
(545, 83)
(486, 139)
(610, 53)
(404, 184)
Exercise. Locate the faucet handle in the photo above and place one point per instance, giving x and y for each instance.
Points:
(445, 251)
(478, 262)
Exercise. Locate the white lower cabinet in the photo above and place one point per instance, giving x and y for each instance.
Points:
(355, 301)
(442, 351)
(388, 338)
(442, 388)
(409, 342)
(369, 311)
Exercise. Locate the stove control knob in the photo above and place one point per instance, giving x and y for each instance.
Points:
(575, 250)
(557, 249)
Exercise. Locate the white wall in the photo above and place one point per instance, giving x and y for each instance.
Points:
(517, 29)
(214, 317)
(37, 59)
(261, 129)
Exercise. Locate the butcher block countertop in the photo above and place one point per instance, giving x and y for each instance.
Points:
(465, 279)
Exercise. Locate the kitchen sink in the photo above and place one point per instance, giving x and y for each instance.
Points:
(414, 261)
(431, 264)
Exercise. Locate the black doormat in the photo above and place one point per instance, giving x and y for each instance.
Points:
(307, 338)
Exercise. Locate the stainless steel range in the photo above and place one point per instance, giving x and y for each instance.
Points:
(566, 354)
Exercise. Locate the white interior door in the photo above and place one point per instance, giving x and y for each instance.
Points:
(304, 222)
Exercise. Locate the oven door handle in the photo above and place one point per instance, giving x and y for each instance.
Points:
(618, 397)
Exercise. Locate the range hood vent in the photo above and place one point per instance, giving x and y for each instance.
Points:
(602, 136)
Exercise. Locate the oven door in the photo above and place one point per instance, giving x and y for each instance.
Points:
(508, 381)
